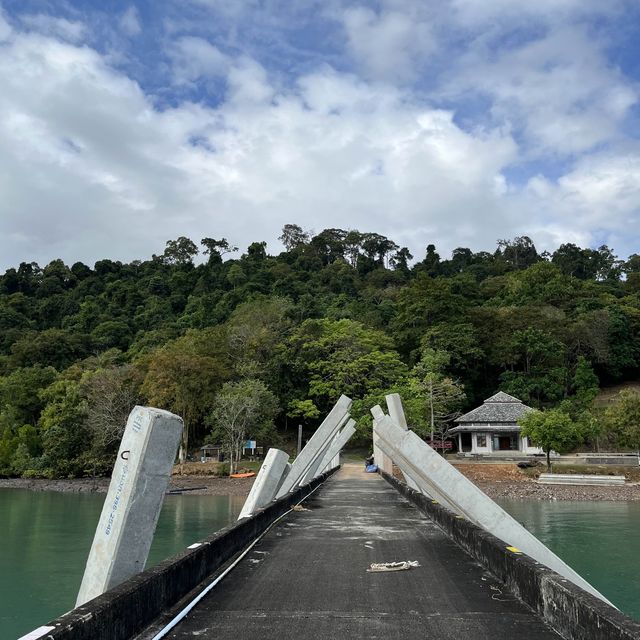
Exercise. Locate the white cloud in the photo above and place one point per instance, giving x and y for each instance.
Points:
(130, 22)
(388, 45)
(194, 58)
(598, 199)
(559, 90)
(5, 27)
(90, 167)
(71, 31)
(473, 13)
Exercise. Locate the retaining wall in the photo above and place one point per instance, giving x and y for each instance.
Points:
(572, 612)
(125, 610)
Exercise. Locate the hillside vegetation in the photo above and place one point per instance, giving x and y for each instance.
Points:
(337, 312)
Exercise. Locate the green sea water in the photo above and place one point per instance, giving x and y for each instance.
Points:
(600, 540)
(45, 538)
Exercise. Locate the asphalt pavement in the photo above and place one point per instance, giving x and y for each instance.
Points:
(307, 578)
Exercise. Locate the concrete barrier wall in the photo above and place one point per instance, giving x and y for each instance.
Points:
(125, 610)
(571, 611)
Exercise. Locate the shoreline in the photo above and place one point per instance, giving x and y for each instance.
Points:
(497, 481)
(196, 485)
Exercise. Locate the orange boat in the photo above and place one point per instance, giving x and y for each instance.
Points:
(243, 475)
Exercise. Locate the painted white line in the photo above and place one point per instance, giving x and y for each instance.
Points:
(36, 633)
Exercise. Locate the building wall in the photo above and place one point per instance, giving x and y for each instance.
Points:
(482, 442)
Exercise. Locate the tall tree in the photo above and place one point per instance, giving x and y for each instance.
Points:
(293, 236)
(184, 376)
(552, 430)
(181, 251)
(241, 409)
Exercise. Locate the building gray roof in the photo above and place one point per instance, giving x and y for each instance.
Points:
(494, 428)
(500, 408)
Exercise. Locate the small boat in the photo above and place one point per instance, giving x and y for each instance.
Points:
(242, 475)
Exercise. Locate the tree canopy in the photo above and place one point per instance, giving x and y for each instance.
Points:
(337, 311)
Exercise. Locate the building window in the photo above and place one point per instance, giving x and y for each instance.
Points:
(481, 440)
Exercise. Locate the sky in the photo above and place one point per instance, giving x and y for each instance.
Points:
(452, 122)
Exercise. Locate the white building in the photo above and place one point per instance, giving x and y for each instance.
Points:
(493, 428)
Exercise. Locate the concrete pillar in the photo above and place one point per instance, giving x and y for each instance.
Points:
(445, 479)
(414, 480)
(266, 483)
(396, 411)
(285, 473)
(132, 506)
(331, 450)
(336, 446)
(324, 433)
(315, 465)
(383, 461)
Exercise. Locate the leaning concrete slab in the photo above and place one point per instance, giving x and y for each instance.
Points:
(469, 500)
(132, 506)
(315, 468)
(414, 480)
(267, 482)
(337, 445)
(383, 461)
(396, 411)
(318, 441)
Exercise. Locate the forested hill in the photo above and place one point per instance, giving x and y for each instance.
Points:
(339, 312)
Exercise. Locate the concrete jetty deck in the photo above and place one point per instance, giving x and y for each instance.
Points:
(307, 578)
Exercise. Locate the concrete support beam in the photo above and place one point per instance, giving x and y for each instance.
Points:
(335, 446)
(319, 440)
(396, 412)
(469, 500)
(266, 484)
(132, 506)
(414, 480)
(383, 461)
(315, 468)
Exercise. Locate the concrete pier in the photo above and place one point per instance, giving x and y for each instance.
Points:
(307, 578)
(285, 573)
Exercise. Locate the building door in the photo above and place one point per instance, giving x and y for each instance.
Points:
(506, 442)
(465, 441)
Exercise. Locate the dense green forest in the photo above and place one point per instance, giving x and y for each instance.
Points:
(337, 312)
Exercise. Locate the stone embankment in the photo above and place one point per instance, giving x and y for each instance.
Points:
(508, 481)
